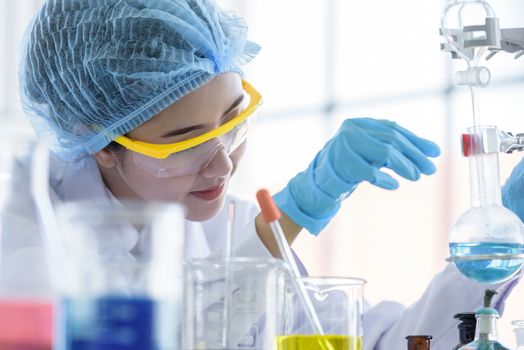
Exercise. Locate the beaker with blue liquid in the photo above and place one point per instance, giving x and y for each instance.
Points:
(487, 241)
(123, 270)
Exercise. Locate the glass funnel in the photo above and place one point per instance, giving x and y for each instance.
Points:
(487, 241)
(26, 299)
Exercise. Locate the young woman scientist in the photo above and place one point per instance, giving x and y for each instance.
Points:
(144, 99)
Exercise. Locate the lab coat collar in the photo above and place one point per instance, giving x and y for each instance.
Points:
(81, 181)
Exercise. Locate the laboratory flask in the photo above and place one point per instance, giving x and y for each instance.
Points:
(123, 268)
(233, 304)
(419, 342)
(487, 241)
(26, 295)
(338, 302)
(519, 333)
(467, 326)
(486, 334)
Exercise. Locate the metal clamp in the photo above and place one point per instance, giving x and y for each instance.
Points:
(491, 140)
(510, 143)
(512, 41)
(467, 39)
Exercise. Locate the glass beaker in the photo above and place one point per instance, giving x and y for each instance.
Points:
(238, 312)
(25, 286)
(338, 302)
(123, 273)
(519, 333)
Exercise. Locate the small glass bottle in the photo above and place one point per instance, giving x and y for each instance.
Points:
(466, 327)
(486, 335)
(519, 333)
(419, 342)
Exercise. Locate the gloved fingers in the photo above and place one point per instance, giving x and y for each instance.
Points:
(374, 151)
(384, 181)
(429, 148)
(400, 164)
(409, 150)
(413, 147)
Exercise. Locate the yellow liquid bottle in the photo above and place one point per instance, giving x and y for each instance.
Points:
(314, 342)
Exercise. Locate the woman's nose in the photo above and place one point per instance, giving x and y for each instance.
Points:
(220, 165)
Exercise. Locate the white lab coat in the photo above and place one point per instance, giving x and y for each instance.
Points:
(385, 324)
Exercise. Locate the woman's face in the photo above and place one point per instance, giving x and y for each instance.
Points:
(202, 192)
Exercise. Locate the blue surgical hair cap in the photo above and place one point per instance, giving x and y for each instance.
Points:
(93, 70)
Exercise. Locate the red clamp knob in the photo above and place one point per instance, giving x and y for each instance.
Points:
(467, 145)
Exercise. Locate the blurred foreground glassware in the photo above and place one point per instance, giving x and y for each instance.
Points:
(122, 289)
(519, 333)
(248, 307)
(25, 285)
(338, 302)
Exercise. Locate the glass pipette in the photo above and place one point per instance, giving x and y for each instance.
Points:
(271, 215)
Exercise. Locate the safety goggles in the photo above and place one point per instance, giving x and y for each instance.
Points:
(192, 155)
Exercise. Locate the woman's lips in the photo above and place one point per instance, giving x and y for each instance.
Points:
(210, 193)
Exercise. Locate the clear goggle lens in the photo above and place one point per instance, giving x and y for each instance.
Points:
(195, 159)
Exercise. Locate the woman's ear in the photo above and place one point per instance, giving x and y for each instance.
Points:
(106, 158)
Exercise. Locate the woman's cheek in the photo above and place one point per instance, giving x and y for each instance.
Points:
(237, 155)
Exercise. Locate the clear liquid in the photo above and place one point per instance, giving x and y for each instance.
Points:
(316, 342)
(487, 271)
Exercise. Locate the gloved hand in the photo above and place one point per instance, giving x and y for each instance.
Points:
(513, 191)
(356, 153)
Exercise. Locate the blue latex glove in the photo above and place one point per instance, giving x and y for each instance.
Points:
(358, 151)
(513, 191)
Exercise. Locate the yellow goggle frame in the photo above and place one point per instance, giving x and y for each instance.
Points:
(162, 151)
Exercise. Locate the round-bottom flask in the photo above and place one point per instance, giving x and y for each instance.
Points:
(487, 241)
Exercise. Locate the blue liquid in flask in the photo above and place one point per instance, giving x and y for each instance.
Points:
(489, 270)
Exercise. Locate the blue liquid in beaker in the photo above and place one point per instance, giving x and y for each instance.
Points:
(108, 323)
(487, 271)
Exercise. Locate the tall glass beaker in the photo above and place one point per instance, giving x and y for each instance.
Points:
(25, 285)
(237, 312)
(123, 276)
(338, 302)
